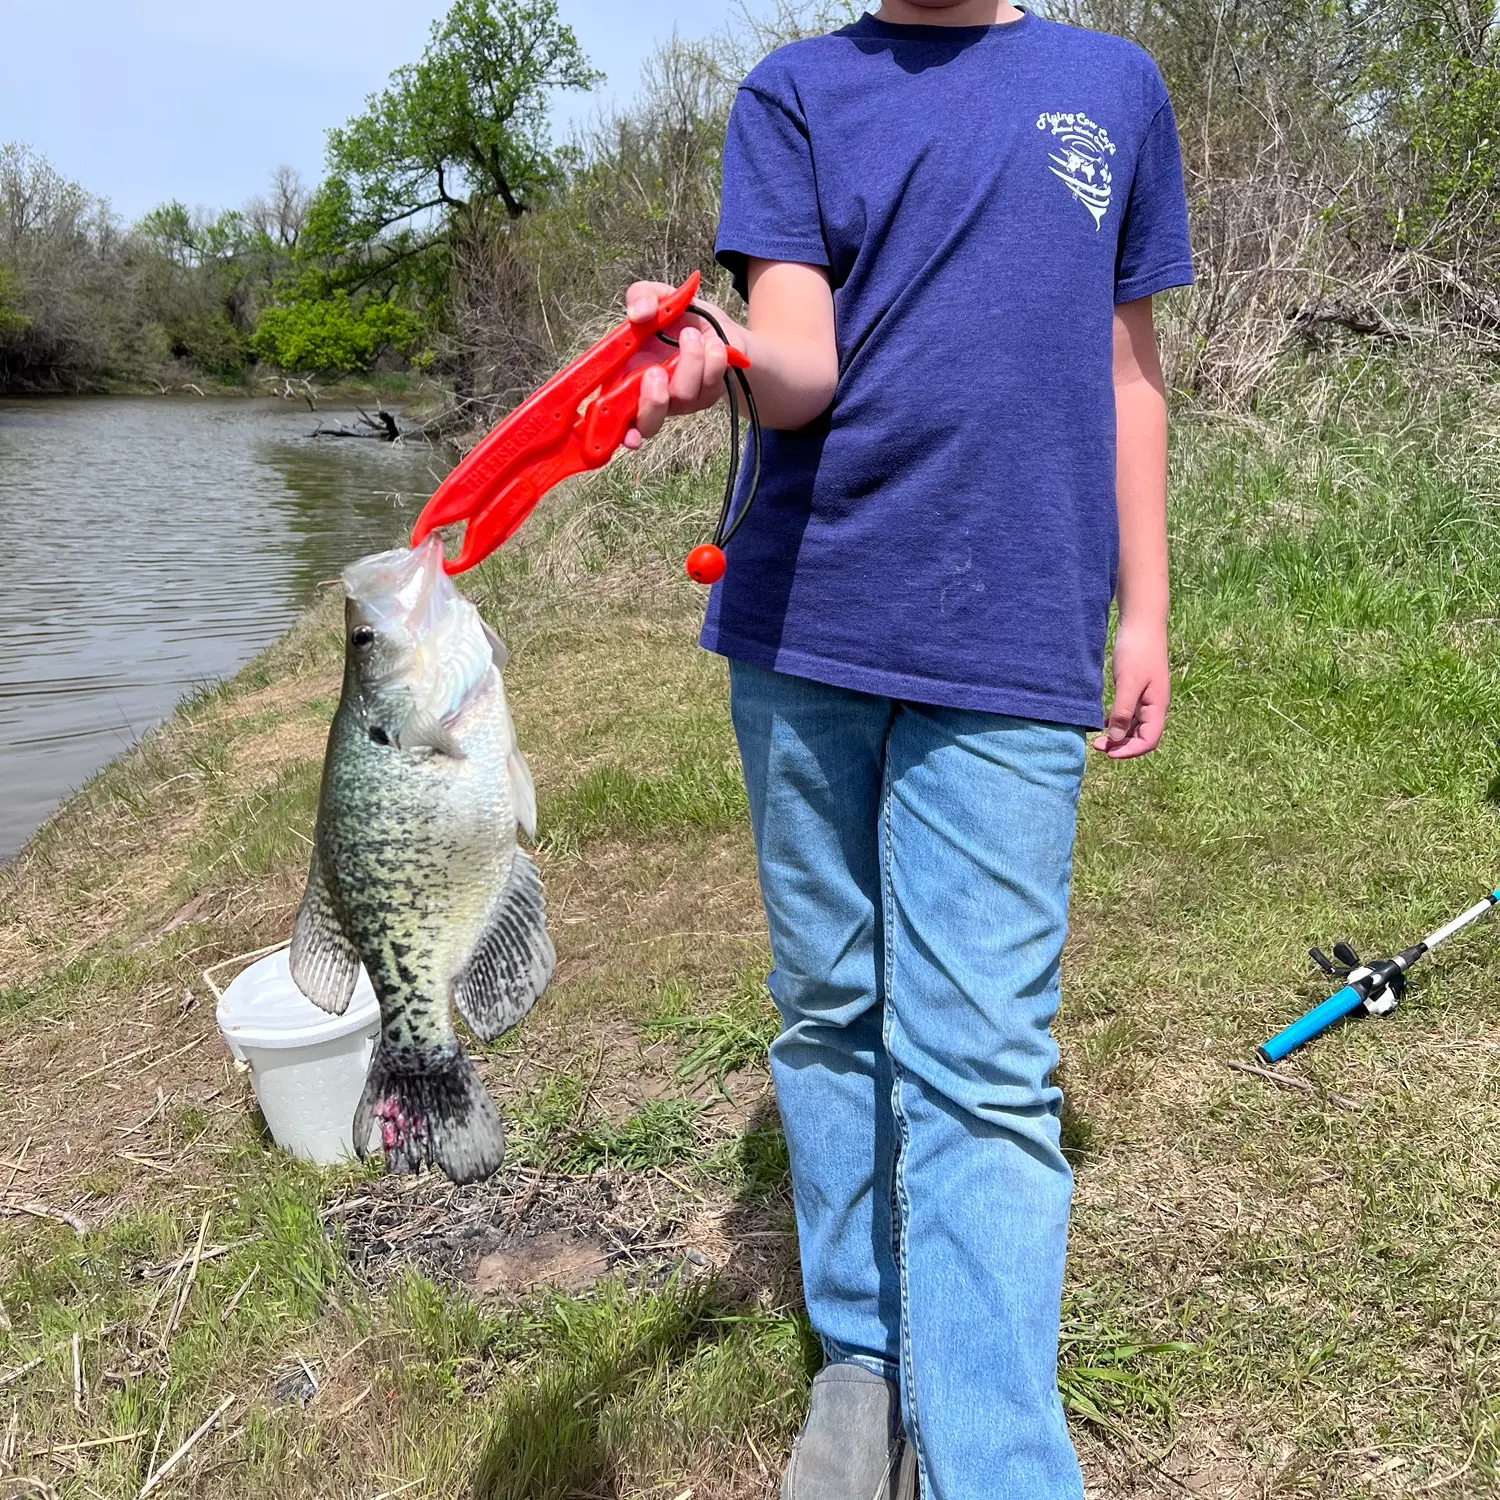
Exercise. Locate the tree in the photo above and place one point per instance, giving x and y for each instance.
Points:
(282, 214)
(331, 336)
(12, 318)
(466, 126)
(457, 142)
(68, 308)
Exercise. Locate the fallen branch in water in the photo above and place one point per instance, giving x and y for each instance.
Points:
(303, 390)
(385, 430)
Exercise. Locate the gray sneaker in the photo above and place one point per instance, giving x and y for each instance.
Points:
(851, 1447)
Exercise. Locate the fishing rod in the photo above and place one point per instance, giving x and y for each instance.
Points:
(1375, 987)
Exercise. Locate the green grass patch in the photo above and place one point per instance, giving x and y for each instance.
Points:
(755, 1165)
(613, 802)
(662, 1133)
(724, 1041)
(261, 832)
(630, 1386)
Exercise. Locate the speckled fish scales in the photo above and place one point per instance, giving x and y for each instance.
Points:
(416, 872)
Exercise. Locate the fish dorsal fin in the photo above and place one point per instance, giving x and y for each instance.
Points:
(497, 648)
(513, 959)
(522, 791)
(324, 963)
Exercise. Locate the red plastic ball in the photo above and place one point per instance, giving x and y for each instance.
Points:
(706, 564)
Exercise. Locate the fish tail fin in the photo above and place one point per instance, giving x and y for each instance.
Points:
(420, 1112)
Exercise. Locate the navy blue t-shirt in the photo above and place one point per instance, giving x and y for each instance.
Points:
(982, 198)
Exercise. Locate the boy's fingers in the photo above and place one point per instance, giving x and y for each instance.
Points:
(715, 362)
(641, 300)
(687, 379)
(1135, 722)
(653, 408)
(1132, 745)
(1119, 726)
(1153, 720)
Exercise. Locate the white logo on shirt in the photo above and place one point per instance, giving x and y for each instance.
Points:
(1082, 164)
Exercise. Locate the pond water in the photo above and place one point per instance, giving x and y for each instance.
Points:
(151, 545)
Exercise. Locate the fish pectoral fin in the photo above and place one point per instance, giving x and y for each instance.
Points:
(513, 959)
(497, 648)
(522, 792)
(324, 963)
(428, 732)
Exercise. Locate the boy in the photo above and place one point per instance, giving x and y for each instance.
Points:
(948, 220)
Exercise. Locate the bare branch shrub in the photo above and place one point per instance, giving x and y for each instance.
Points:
(1313, 141)
(62, 251)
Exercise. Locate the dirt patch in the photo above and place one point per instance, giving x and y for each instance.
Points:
(257, 759)
(283, 697)
(528, 1229)
(554, 1260)
(447, 1232)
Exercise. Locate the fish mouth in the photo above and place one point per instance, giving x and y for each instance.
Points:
(430, 653)
(405, 587)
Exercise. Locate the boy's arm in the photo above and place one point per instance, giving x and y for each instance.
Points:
(789, 339)
(1142, 685)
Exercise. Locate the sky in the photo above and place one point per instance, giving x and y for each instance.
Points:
(143, 101)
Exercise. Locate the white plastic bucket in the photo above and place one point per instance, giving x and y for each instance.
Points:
(307, 1067)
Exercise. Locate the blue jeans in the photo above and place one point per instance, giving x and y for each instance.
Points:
(914, 863)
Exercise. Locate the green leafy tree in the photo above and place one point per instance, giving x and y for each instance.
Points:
(1451, 111)
(197, 282)
(455, 146)
(189, 241)
(466, 127)
(331, 336)
(457, 138)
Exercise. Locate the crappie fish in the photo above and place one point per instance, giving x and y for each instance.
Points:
(415, 871)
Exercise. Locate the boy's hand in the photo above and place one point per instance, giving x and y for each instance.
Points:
(698, 381)
(1142, 691)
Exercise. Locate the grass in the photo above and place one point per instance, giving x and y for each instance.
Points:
(722, 1041)
(613, 802)
(1272, 1290)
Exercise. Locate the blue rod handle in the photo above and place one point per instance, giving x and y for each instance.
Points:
(1335, 1008)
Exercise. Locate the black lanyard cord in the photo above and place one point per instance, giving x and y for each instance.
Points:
(725, 530)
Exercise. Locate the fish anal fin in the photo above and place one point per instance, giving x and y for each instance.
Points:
(324, 962)
(522, 792)
(513, 960)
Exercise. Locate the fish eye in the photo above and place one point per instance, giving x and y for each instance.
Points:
(364, 636)
(379, 735)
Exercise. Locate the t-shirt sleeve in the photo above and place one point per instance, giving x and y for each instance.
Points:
(770, 201)
(1154, 250)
